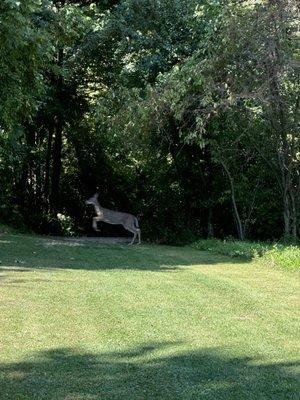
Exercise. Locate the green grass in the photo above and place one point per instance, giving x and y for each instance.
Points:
(270, 254)
(87, 321)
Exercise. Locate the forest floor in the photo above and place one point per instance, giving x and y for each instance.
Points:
(82, 320)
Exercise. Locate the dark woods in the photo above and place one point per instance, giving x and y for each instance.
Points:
(185, 113)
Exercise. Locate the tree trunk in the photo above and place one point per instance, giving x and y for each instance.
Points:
(210, 227)
(238, 222)
(56, 170)
(279, 119)
(47, 169)
(289, 212)
(286, 214)
(58, 131)
(57, 145)
(294, 220)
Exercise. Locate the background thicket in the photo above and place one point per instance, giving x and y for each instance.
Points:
(183, 112)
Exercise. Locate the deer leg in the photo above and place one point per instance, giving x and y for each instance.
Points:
(133, 239)
(132, 230)
(95, 220)
(139, 236)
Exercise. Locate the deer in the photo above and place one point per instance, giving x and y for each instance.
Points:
(129, 221)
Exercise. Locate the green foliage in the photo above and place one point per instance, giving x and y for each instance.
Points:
(223, 98)
(25, 50)
(167, 107)
(268, 254)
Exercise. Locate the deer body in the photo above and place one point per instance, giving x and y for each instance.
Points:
(128, 221)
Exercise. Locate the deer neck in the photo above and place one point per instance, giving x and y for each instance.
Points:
(98, 208)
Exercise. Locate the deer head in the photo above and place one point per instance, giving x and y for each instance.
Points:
(93, 200)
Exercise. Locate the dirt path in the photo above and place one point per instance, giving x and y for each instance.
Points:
(85, 240)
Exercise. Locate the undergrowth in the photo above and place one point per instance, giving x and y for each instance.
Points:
(273, 254)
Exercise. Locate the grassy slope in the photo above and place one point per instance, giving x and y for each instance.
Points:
(148, 322)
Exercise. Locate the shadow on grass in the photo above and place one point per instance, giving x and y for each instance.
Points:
(23, 253)
(144, 373)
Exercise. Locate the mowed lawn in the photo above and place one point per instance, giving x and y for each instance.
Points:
(88, 321)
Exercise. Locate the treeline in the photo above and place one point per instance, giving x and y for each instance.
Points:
(184, 112)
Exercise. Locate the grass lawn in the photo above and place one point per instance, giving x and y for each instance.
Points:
(86, 321)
